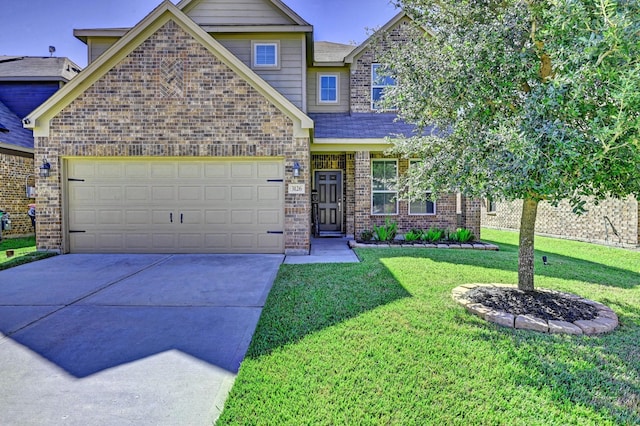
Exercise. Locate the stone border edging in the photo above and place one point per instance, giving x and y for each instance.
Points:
(467, 246)
(606, 321)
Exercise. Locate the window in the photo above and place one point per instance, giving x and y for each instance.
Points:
(265, 55)
(384, 199)
(328, 88)
(491, 205)
(424, 206)
(378, 84)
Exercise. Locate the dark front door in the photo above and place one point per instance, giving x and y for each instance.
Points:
(329, 187)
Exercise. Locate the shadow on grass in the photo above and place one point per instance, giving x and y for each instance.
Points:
(559, 266)
(309, 298)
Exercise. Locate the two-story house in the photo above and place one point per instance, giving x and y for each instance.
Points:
(208, 126)
(25, 83)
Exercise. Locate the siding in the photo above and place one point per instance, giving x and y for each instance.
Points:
(237, 12)
(312, 91)
(24, 97)
(288, 79)
(97, 46)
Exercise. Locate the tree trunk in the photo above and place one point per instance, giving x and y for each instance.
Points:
(527, 235)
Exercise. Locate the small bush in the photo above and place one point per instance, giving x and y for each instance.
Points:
(433, 235)
(366, 235)
(412, 236)
(386, 232)
(462, 235)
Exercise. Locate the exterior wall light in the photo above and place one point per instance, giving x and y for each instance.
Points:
(296, 169)
(45, 169)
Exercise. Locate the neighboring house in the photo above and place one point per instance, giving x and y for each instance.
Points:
(25, 83)
(206, 127)
(611, 222)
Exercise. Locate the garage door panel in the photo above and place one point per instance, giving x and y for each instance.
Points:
(181, 206)
(216, 193)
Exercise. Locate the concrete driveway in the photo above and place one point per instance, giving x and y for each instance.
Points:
(126, 339)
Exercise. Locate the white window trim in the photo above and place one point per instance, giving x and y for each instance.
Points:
(373, 103)
(337, 77)
(435, 205)
(489, 202)
(255, 44)
(384, 192)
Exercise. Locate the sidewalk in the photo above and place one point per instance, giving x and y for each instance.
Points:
(326, 250)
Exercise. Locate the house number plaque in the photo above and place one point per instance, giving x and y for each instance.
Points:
(296, 188)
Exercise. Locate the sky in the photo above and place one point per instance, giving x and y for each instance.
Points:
(29, 27)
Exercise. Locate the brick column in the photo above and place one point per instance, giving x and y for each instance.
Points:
(362, 192)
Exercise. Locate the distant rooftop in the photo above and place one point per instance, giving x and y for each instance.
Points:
(326, 51)
(11, 130)
(33, 68)
(361, 126)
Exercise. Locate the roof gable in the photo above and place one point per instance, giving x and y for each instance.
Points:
(240, 12)
(39, 119)
(395, 21)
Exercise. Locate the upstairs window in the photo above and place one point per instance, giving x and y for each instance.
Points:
(384, 198)
(265, 55)
(378, 85)
(328, 88)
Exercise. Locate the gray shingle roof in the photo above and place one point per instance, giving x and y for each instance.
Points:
(325, 51)
(360, 126)
(30, 68)
(17, 135)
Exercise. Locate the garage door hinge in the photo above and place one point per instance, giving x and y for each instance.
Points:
(77, 232)
(275, 232)
(75, 180)
(275, 180)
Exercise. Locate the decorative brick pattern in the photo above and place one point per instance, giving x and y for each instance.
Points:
(124, 115)
(14, 170)
(561, 222)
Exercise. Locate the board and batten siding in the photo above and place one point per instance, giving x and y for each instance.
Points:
(343, 89)
(97, 46)
(237, 12)
(288, 79)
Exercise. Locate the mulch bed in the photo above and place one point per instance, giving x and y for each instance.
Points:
(543, 305)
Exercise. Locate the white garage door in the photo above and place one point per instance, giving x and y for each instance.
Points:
(175, 206)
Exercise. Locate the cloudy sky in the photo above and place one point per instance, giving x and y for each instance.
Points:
(29, 27)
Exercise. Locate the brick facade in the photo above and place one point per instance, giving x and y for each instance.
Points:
(446, 206)
(171, 98)
(561, 222)
(361, 68)
(14, 169)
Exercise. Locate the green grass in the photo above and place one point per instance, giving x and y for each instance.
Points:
(382, 342)
(24, 252)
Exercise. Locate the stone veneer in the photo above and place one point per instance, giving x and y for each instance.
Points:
(561, 222)
(15, 167)
(605, 322)
(171, 97)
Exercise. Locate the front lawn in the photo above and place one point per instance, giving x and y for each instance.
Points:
(24, 251)
(382, 342)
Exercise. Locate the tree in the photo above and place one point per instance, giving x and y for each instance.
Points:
(536, 100)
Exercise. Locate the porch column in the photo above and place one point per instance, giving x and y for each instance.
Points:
(362, 192)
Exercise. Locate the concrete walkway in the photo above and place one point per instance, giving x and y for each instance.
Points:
(326, 250)
(126, 339)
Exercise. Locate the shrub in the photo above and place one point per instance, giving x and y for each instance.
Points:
(366, 235)
(433, 235)
(462, 235)
(386, 232)
(412, 236)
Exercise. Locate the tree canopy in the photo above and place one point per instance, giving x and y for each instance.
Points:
(536, 100)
